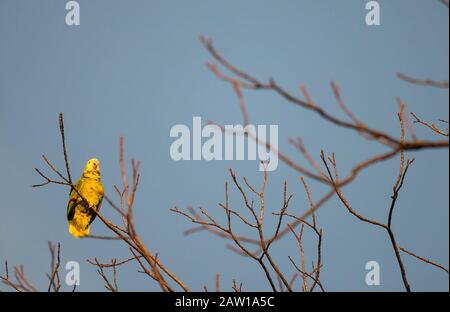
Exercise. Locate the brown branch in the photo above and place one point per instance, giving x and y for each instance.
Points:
(108, 265)
(235, 287)
(341, 196)
(307, 274)
(54, 275)
(242, 105)
(111, 286)
(424, 259)
(228, 231)
(22, 283)
(102, 237)
(387, 227)
(6, 280)
(217, 282)
(348, 112)
(63, 139)
(424, 82)
(432, 126)
(19, 273)
(252, 83)
(317, 231)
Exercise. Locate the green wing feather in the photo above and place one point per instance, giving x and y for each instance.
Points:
(73, 201)
(93, 215)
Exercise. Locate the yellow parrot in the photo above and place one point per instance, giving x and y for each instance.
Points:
(90, 187)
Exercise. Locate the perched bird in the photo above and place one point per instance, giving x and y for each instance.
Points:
(90, 187)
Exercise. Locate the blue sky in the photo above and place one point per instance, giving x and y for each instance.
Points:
(137, 68)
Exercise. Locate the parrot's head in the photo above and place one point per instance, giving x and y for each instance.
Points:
(92, 168)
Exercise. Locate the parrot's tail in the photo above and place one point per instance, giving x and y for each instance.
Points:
(79, 225)
(78, 232)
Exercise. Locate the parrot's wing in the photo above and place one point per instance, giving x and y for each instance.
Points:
(97, 209)
(73, 201)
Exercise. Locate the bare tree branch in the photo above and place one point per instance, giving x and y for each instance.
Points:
(425, 82)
